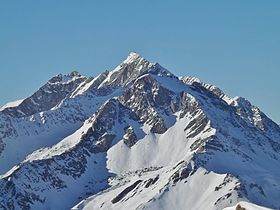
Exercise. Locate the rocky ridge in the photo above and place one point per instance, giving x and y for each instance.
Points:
(138, 137)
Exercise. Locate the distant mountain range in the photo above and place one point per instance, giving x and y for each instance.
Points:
(137, 137)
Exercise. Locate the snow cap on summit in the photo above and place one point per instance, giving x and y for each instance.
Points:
(132, 57)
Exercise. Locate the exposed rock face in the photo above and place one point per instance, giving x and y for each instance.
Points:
(136, 137)
(213, 89)
(129, 70)
(150, 101)
(125, 192)
(158, 126)
(246, 110)
(130, 137)
(47, 96)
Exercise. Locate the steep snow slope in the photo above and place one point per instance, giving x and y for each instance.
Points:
(161, 189)
(144, 139)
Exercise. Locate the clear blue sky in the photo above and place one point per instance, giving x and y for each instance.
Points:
(234, 44)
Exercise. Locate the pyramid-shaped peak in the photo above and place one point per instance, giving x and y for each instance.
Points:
(132, 57)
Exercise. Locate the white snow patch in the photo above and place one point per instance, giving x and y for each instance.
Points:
(12, 104)
(247, 206)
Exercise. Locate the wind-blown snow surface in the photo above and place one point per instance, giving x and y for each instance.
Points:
(247, 206)
(137, 137)
(11, 104)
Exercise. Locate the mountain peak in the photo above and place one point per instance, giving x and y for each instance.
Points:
(111, 142)
(75, 74)
(48, 96)
(132, 57)
(132, 67)
(61, 78)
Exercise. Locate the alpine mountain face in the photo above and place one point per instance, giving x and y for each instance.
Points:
(137, 137)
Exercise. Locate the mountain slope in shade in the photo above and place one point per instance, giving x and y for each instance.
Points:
(137, 137)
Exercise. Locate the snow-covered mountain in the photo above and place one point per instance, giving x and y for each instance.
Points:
(137, 137)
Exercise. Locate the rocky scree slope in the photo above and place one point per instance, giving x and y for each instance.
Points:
(136, 137)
